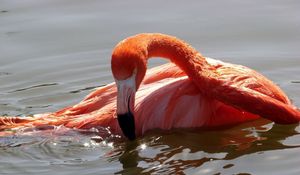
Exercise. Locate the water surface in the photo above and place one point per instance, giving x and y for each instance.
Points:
(53, 53)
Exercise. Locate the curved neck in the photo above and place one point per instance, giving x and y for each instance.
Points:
(141, 47)
(177, 51)
(159, 45)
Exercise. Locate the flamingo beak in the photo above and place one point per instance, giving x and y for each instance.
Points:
(125, 105)
(126, 123)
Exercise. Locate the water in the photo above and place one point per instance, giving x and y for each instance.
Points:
(53, 53)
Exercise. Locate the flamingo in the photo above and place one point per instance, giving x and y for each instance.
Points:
(191, 91)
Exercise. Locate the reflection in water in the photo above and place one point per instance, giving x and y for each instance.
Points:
(178, 151)
(130, 158)
(159, 152)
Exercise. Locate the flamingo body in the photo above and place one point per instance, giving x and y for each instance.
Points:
(168, 97)
(165, 91)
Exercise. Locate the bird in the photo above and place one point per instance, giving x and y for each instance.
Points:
(191, 91)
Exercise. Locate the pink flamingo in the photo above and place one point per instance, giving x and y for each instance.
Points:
(191, 92)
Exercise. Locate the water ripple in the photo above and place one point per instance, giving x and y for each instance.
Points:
(34, 87)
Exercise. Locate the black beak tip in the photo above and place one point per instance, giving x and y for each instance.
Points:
(127, 125)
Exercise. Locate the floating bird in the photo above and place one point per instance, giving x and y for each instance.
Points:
(190, 92)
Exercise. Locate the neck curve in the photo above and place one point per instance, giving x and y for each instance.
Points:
(149, 45)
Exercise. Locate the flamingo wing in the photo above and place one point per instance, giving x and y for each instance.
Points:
(248, 90)
(168, 99)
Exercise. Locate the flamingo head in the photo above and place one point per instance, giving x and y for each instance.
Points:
(128, 69)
